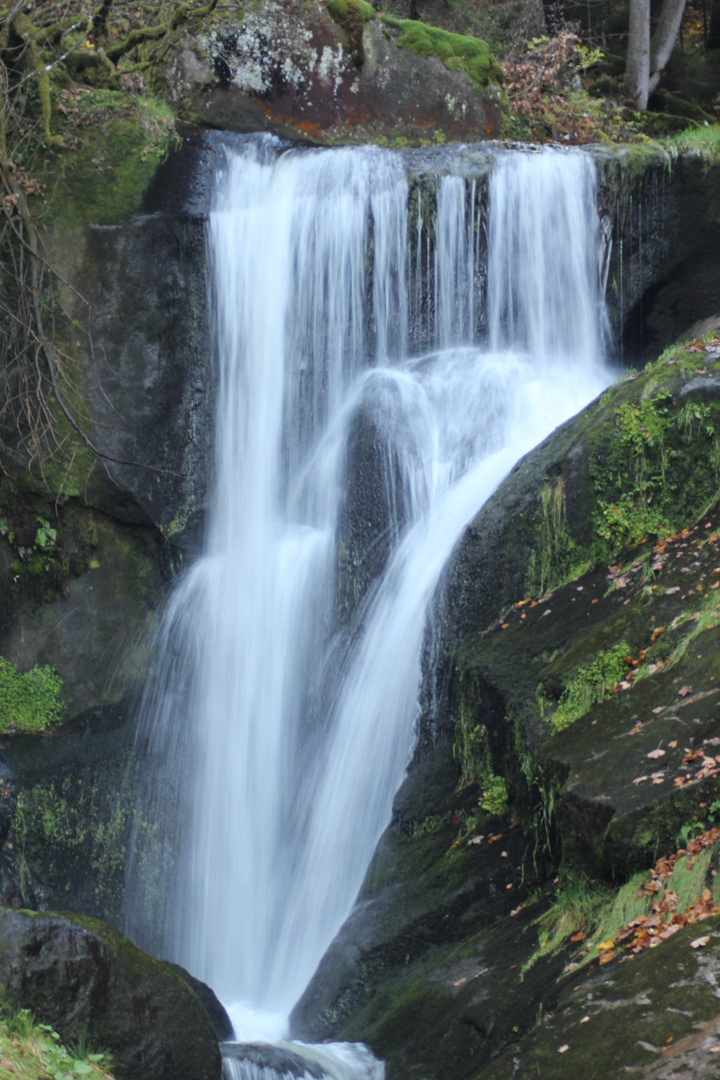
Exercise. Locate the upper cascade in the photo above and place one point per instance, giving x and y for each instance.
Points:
(278, 728)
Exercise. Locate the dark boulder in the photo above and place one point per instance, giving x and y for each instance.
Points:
(213, 1006)
(94, 986)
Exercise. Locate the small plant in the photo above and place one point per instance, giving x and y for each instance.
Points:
(578, 903)
(33, 1051)
(590, 685)
(494, 797)
(29, 701)
(550, 560)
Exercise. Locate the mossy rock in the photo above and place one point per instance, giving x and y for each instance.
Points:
(94, 987)
(458, 52)
(655, 1014)
(344, 10)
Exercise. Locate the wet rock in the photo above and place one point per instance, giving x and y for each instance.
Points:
(269, 1059)
(94, 986)
(213, 1006)
(654, 1016)
(68, 813)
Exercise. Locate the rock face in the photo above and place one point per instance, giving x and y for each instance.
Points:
(292, 70)
(662, 217)
(93, 985)
(444, 965)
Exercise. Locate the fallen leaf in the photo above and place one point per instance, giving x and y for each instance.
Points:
(656, 753)
(684, 691)
(673, 744)
(673, 589)
(580, 936)
(603, 946)
(563, 1049)
(584, 1019)
(700, 942)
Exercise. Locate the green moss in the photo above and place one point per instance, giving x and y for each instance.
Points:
(114, 144)
(704, 141)
(591, 684)
(458, 52)
(656, 467)
(29, 701)
(342, 10)
(65, 830)
(551, 559)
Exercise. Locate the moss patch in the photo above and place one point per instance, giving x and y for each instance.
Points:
(29, 701)
(113, 143)
(458, 52)
(343, 10)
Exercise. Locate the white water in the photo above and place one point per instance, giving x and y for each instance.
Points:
(276, 739)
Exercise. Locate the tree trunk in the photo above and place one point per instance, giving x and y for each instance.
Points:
(637, 65)
(713, 41)
(646, 60)
(663, 40)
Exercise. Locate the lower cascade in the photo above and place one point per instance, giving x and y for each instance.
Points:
(279, 720)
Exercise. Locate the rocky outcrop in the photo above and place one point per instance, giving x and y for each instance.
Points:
(304, 74)
(578, 697)
(95, 987)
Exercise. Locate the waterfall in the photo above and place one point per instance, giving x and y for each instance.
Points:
(279, 719)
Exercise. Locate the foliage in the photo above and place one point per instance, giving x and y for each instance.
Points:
(577, 905)
(494, 796)
(643, 486)
(29, 701)
(550, 562)
(591, 685)
(471, 748)
(33, 1051)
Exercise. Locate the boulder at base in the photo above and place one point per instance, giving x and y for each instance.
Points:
(94, 986)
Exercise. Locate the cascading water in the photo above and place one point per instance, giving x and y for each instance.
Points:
(275, 736)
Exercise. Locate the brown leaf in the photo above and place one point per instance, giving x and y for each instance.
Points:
(658, 753)
(700, 942)
(684, 691)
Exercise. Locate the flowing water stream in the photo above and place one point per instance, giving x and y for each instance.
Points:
(279, 723)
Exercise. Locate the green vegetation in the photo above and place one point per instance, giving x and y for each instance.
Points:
(113, 144)
(704, 141)
(579, 904)
(494, 795)
(472, 750)
(344, 10)
(591, 684)
(551, 559)
(29, 701)
(69, 828)
(33, 1051)
(660, 468)
(458, 52)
